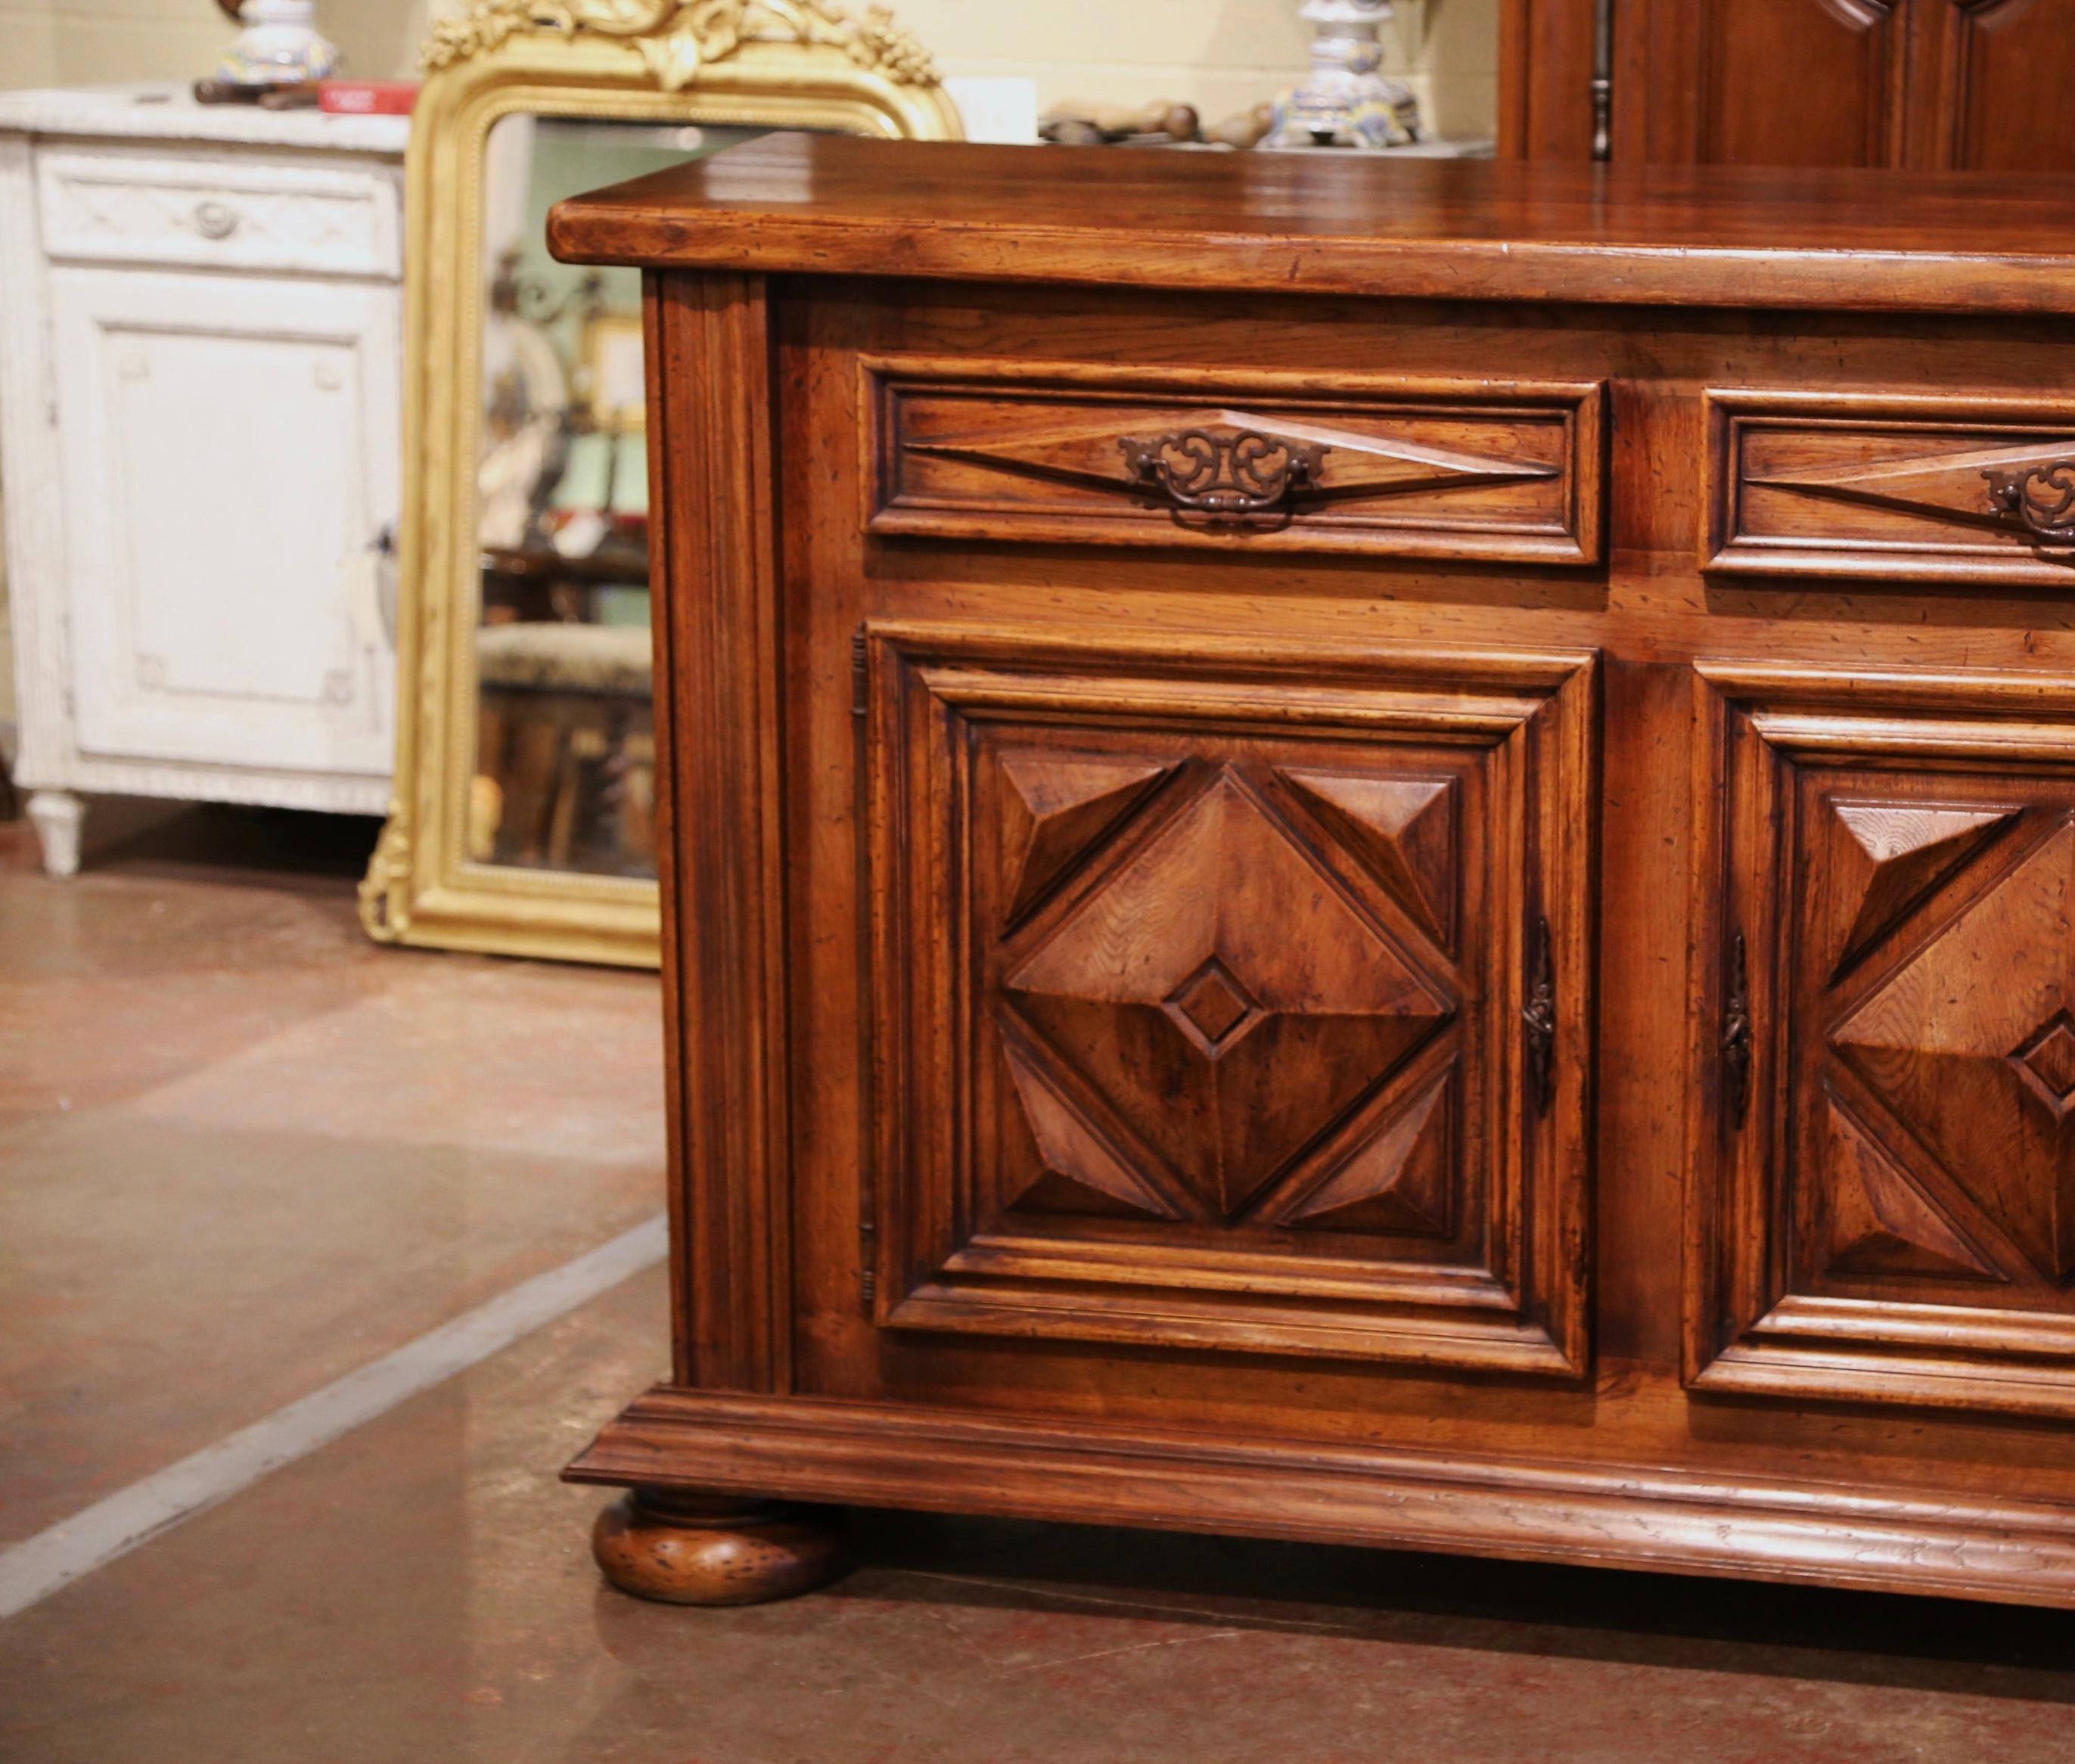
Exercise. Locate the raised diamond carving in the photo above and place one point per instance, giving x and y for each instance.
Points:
(1358, 463)
(1396, 1181)
(1960, 1042)
(1895, 855)
(1071, 1148)
(1212, 1006)
(1061, 804)
(1881, 1223)
(1228, 1000)
(1403, 827)
(2047, 1059)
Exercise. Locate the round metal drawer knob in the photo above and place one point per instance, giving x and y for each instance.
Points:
(213, 221)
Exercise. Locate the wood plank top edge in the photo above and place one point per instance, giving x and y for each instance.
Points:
(1721, 236)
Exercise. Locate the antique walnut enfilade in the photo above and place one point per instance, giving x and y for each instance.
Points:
(1381, 853)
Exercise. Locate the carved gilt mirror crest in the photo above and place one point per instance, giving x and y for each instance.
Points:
(522, 821)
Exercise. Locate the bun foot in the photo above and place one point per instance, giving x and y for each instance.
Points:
(691, 1549)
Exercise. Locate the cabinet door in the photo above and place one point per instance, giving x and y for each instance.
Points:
(1939, 84)
(1227, 995)
(1760, 82)
(1989, 85)
(1885, 1200)
(229, 454)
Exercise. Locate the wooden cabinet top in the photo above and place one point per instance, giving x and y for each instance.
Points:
(1677, 235)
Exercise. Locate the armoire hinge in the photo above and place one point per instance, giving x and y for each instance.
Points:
(1737, 1034)
(1538, 1016)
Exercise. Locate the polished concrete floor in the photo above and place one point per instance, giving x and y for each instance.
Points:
(242, 1152)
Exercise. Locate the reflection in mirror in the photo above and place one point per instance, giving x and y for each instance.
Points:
(565, 749)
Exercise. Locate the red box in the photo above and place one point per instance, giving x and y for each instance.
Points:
(367, 97)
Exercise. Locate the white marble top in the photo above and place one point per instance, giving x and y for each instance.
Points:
(165, 110)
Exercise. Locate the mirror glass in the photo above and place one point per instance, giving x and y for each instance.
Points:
(565, 750)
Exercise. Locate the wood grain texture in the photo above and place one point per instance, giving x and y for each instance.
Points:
(696, 1549)
(1280, 223)
(718, 766)
(878, 1455)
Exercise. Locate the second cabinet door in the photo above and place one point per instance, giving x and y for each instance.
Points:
(1233, 995)
(1973, 85)
(1885, 1197)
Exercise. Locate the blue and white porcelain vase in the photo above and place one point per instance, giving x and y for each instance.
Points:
(1346, 101)
(281, 45)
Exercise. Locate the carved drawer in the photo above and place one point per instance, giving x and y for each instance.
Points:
(1232, 997)
(1412, 468)
(1879, 487)
(1886, 890)
(112, 204)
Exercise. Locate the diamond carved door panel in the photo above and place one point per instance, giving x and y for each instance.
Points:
(1205, 995)
(1886, 1207)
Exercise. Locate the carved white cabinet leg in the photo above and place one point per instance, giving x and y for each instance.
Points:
(57, 816)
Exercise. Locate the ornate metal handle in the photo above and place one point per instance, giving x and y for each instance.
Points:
(1737, 1034)
(2041, 497)
(215, 220)
(1539, 1016)
(1226, 477)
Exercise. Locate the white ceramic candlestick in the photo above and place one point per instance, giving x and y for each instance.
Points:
(1346, 101)
(281, 45)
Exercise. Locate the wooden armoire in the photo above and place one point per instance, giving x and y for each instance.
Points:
(1929, 85)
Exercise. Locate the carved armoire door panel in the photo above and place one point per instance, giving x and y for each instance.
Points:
(1230, 997)
(1760, 82)
(1936, 85)
(1989, 85)
(1887, 1206)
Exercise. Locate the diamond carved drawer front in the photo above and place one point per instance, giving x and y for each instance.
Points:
(1879, 488)
(1470, 468)
(1899, 858)
(1198, 995)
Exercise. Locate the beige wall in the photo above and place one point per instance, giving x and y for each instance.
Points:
(88, 42)
(1221, 55)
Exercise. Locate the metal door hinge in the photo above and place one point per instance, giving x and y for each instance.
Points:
(1539, 1017)
(1603, 80)
(1737, 1034)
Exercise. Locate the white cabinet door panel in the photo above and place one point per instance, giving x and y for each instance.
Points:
(229, 454)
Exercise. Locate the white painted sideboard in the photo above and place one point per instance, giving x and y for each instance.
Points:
(201, 365)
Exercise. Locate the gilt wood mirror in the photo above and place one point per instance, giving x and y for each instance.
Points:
(522, 821)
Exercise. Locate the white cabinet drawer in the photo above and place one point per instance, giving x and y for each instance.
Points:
(110, 205)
